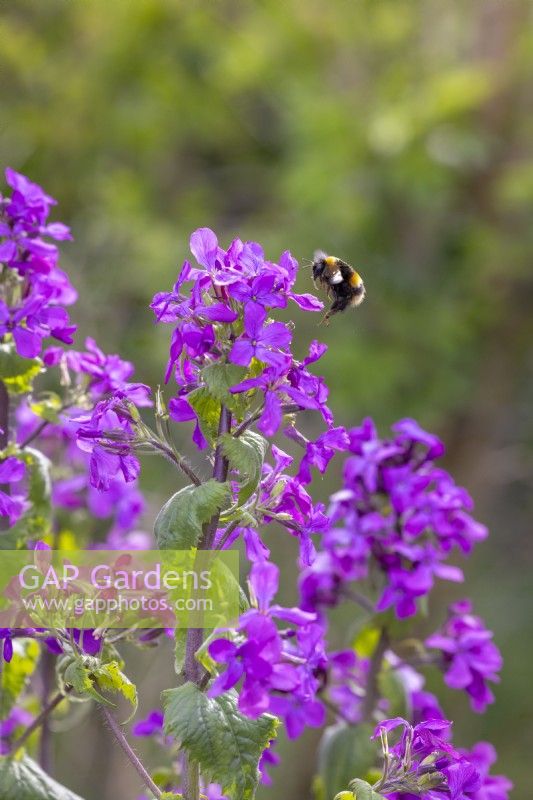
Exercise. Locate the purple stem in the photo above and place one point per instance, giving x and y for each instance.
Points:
(4, 438)
(128, 751)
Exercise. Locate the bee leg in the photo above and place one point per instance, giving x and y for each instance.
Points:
(325, 319)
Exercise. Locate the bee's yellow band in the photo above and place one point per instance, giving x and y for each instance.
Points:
(355, 279)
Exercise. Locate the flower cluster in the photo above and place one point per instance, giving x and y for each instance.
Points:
(34, 289)
(394, 524)
(280, 668)
(220, 310)
(424, 763)
(399, 517)
(469, 657)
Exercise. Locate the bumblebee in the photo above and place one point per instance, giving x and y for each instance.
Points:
(344, 285)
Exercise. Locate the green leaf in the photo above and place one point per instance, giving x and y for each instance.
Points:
(207, 408)
(219, 378)
(16, 673)
(179, 523)
(226, 744)
(17, 373)
(48, 407)
(345, 751)
(40, 485)
(363, 791)
(78, 675)
(86, 675)
(23, 779)
(246, 455)
(180, 649)
(110, 678)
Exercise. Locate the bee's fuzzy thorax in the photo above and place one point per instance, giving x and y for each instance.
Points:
(343, 284)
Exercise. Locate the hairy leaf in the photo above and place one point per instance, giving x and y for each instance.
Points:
(246, 455)
(179, 523)
(87, 676)
(110, 678)
(78, 675)
(226, 744)
(219, 378)
(207, 407)
(23, 779)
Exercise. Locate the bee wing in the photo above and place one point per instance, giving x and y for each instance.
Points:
(335, 278)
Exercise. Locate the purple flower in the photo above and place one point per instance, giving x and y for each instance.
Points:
(492, 787)
(277, 668)
(40, 286)
(108, 434)
(32, 321)
(17, 717)
(398, 515)
(12, 503)
(469, 656)
(213, 791)
(267, 760)
(180, 410)
(259, 293)
(347, 684)
(260, 341)
(320, 452)
(151, 725)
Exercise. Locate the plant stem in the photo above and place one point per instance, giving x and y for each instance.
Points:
(192, 670)
(32, 436)
(45, 744)
(179, 461)
(372, 688)
(38, 721)
(288, 409)
(220, 473)
(129, 753)
(360, 599)
(227, 533)
(4, 438)
(191, 780)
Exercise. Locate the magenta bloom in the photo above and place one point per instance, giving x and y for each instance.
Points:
(151, 725)
(469, 656)
(397, 514)
(34, 320)
(14, 503)
(259, 293)
(260, 341)
(276, 668)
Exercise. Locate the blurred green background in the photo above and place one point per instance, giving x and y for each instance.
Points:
(394, 133)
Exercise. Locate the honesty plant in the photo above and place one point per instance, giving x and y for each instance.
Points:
(70, 460)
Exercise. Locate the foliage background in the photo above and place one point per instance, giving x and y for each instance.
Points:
(392, 132)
